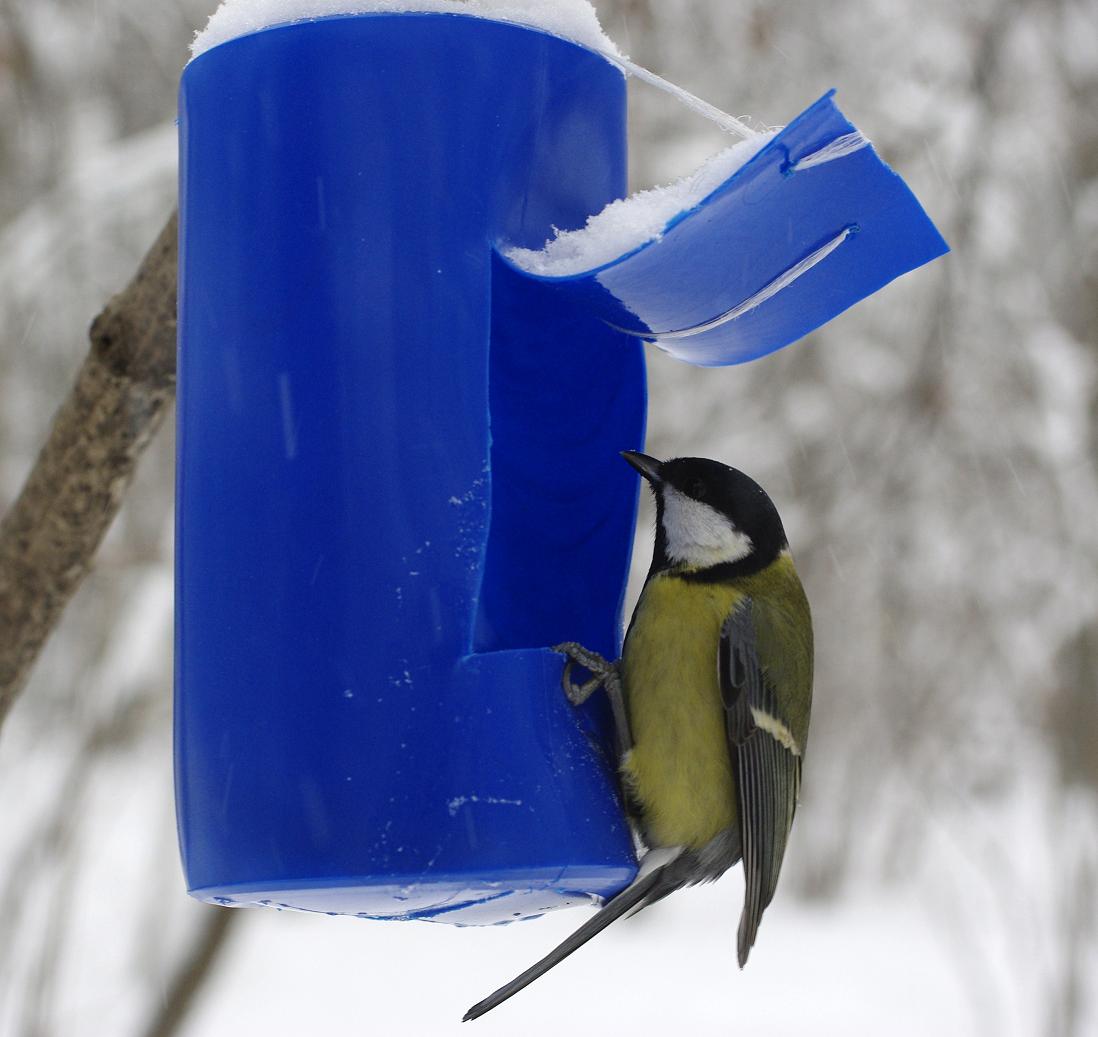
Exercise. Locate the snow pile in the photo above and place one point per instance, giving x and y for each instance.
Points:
(625, 225)
(573, 19)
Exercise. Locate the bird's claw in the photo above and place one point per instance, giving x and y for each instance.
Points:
(599, 667)
(578, 694)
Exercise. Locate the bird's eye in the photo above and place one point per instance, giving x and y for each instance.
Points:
(698, 490)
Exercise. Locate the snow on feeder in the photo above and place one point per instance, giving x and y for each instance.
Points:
(399, 425)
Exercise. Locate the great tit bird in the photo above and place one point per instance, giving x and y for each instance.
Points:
(711, 697)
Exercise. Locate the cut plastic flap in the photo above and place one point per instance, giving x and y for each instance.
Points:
(812, 224)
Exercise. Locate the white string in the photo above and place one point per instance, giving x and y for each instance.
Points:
(783, 280)
(840, 147)
(703, 108)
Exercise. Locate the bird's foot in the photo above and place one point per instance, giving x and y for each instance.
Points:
(600, 669)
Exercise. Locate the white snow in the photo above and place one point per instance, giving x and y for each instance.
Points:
(631, 222)
(573, 19)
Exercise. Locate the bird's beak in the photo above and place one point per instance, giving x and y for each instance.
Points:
(649, 467)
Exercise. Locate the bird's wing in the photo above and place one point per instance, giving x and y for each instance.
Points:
(766, 762)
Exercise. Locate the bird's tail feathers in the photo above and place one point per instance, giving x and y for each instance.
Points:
(647, 887)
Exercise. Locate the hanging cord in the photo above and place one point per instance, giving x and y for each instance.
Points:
(840, 147)
(725, 121)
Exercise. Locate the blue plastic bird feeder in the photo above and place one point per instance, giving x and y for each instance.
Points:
(399, 480)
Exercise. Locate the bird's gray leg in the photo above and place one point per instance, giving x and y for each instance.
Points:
(605, 675)
(612, 683)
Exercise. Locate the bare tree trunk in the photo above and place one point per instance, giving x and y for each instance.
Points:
(51, 533)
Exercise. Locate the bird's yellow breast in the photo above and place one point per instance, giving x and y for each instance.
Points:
(679, 771)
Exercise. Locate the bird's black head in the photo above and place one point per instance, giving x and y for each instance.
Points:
(710, 518)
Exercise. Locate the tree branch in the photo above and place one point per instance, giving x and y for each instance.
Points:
(49, 537)
(195, 967)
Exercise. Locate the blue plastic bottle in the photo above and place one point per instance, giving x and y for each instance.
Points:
(398, 478)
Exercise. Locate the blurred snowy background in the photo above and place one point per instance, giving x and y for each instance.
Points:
(934, 453)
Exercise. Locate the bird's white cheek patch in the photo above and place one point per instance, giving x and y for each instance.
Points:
(698, 535)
